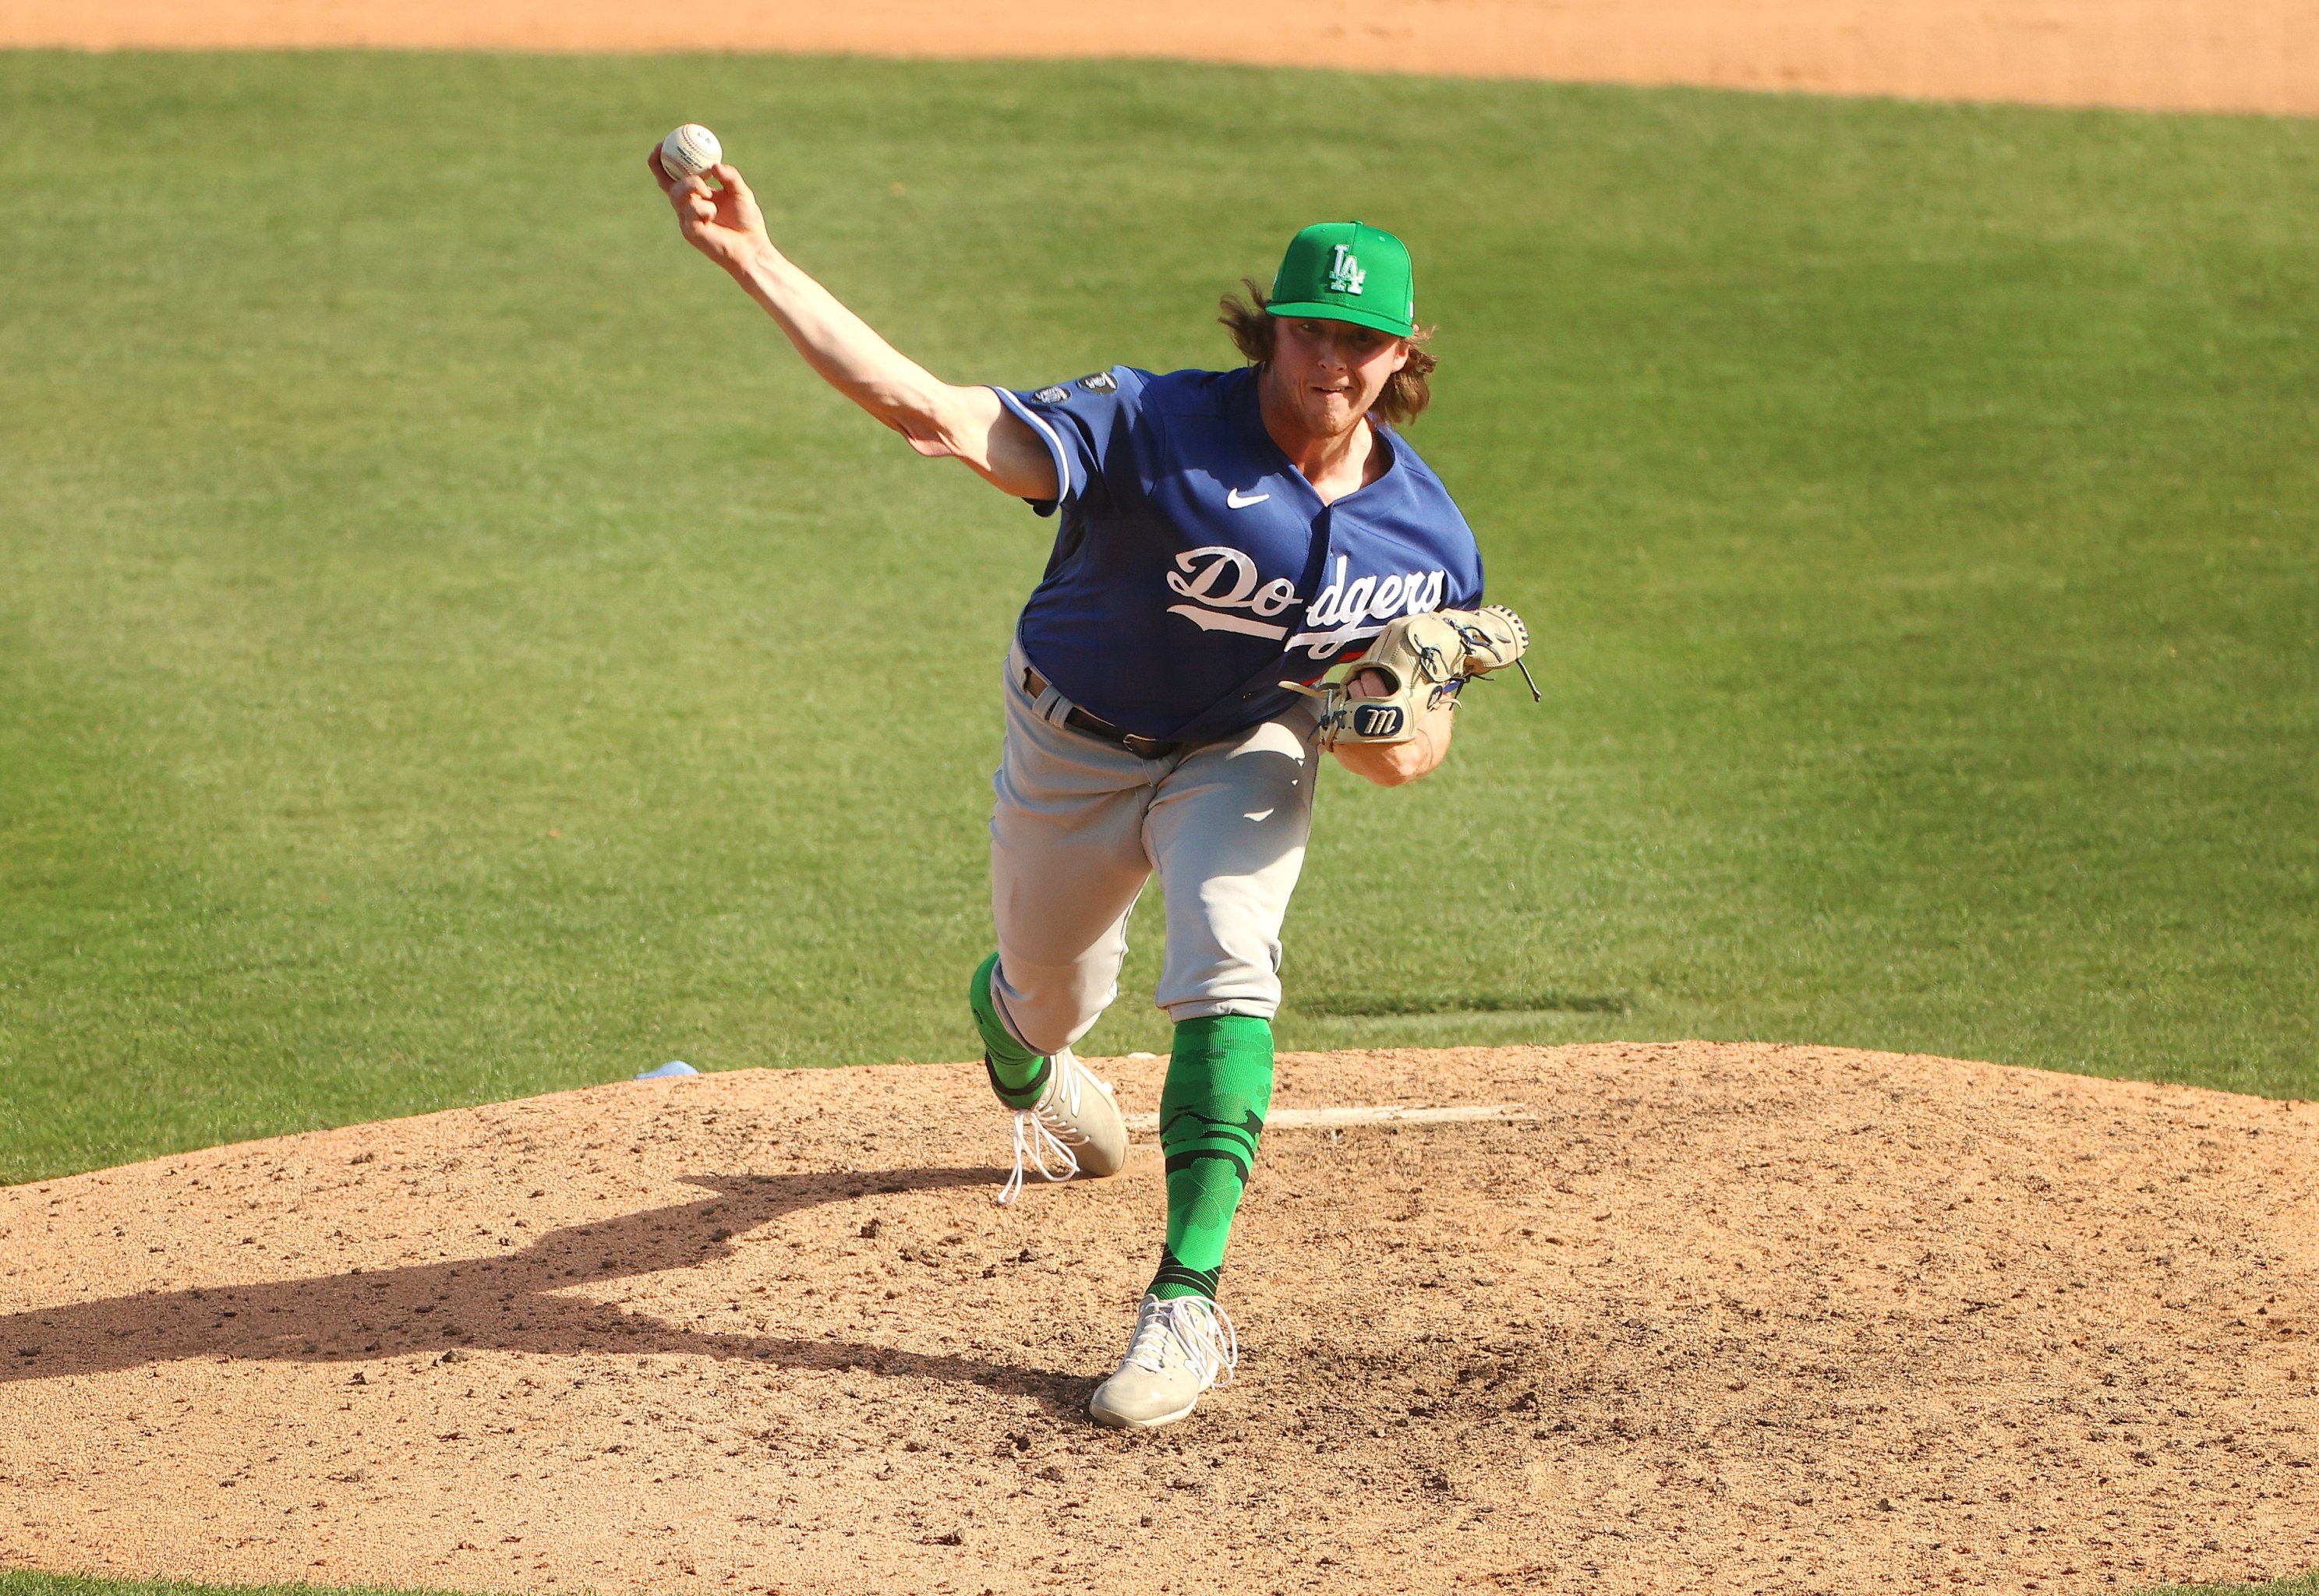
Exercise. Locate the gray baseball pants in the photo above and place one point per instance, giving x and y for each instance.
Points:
(1082, 824)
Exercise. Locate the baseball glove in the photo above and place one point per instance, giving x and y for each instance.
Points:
(1424, 659)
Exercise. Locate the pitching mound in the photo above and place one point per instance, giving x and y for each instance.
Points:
(1719, 1318)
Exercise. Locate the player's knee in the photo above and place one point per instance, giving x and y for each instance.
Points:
(1050, 1007)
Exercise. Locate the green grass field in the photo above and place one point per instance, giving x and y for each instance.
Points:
(449, 649)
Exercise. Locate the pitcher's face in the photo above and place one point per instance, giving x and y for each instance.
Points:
(1330, 373)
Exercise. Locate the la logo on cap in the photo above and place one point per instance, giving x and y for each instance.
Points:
(1329, 269)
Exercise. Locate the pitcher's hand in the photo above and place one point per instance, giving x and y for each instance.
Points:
(724, 222)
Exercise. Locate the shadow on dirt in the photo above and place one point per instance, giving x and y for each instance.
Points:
(510, 1302)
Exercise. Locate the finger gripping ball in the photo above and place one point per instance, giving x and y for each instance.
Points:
(689, 151)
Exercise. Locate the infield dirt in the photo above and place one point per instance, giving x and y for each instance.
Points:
(2202, 55)
(1734, 1317)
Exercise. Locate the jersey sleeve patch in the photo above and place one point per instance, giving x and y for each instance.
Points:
(1082, 423)
(1048, 435)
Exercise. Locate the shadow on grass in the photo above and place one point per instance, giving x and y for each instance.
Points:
(512, 1302)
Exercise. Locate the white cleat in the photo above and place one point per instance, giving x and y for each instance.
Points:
(1181, 1348)
(1074, 1128)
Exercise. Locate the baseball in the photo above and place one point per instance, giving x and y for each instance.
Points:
(689, 151)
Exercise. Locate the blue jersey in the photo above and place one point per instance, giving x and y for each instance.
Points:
(1194, 569)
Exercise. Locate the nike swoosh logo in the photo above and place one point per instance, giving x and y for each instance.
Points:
(1238, 501)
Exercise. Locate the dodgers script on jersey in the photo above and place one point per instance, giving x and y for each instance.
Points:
(1194, 569)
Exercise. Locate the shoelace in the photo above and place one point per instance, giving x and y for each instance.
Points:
(1040, 1132)
(1203, 1334)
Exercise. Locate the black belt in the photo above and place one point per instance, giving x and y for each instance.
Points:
(1096, 726)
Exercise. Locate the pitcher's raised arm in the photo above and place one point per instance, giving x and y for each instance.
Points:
(969, 424)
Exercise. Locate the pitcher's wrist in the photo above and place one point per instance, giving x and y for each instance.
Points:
(757, 267)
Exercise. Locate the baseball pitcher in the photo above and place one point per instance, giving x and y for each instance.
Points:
(1250, 569)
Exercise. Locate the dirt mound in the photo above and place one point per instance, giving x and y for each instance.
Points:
(1721, 1317)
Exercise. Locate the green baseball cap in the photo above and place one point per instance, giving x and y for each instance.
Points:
(1347, 271)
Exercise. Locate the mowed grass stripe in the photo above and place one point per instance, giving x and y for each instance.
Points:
(27, 1582)
(449, 649)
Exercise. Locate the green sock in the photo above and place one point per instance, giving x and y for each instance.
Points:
(1018, 1074)
(1211, 1114)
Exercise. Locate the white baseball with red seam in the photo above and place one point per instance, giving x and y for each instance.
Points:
(689, 151)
